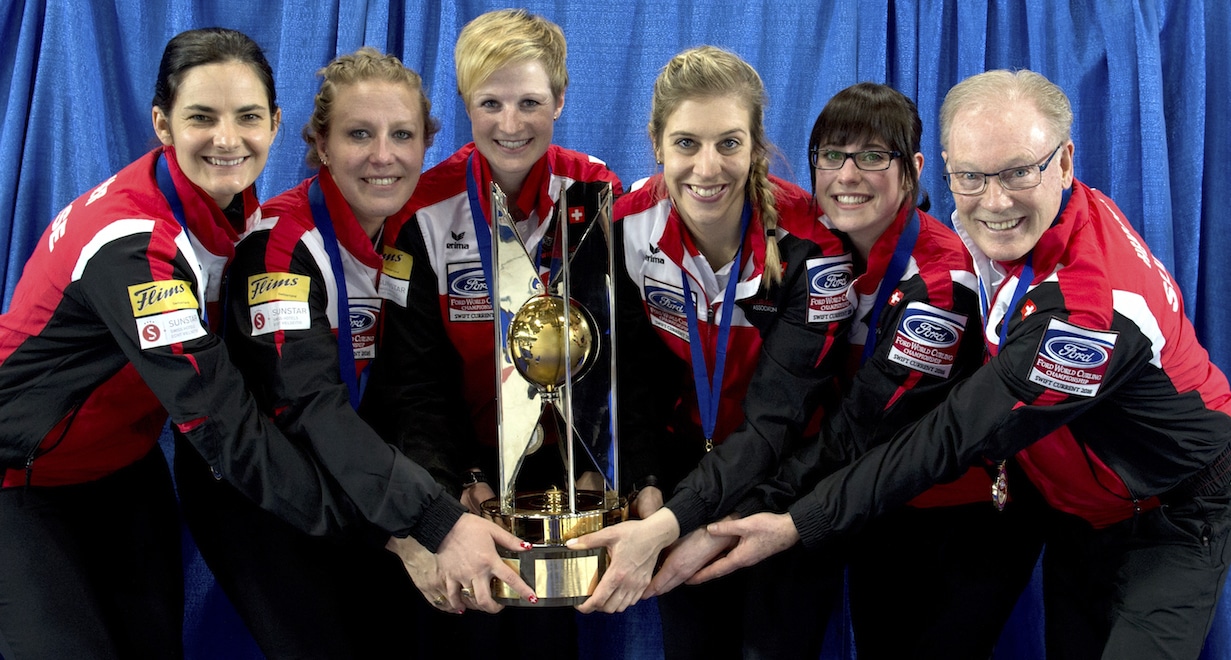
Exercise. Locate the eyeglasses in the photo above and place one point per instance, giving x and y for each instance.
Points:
(868, 161)
(1022, 177)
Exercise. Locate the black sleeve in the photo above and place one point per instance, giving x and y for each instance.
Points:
(994, 414)
(207, 401)
(884, 396)
(294, 375)
(414, 397)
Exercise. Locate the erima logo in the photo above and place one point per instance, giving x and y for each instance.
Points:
(457, 243)
(1075, 351)
(652, 256)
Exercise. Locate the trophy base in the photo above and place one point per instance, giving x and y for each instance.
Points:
(560, 576)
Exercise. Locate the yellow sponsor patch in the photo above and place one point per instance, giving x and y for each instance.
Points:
(268, 287)
(397, 263)
(161, 296)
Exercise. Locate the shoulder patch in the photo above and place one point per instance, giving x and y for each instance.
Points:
(166, 312)
(278, 301)
(1071, 359)
(266, 287)
(829, 279)
(665, 304)
(927, 339)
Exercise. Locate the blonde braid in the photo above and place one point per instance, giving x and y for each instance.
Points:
(762, 191)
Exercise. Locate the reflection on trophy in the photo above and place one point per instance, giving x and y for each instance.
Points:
(555, 373)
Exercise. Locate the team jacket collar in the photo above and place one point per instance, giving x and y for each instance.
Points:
(207, 222)
(350, 234)
(880, 255)
(677, 246)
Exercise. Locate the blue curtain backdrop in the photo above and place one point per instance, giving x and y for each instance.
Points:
(1150, 82)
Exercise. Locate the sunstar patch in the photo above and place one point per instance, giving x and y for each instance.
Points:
(364, 315)
(278, 301)
(395, 275)
(927, 339)
(1071, 359)
(166, 313)
(829, 278)
(666, 306)
(469, 299)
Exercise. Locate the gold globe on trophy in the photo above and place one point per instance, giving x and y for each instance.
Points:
(536, 341)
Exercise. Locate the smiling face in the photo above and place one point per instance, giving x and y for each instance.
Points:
(706, 150)
(512, 117)
(1006, 224)
(374, 148)
(859, 203)
(221, 126)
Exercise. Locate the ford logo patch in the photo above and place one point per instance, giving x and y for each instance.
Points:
(931, 331)
(1075, 351)
(831, 279)
(361, 319)
(665, 300)
(469, 283)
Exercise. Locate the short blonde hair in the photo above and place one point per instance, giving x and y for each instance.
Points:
(507, 36)
(364, 64)
(707, 72)
(1000, 87)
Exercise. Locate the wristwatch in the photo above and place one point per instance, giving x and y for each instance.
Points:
(473, 477)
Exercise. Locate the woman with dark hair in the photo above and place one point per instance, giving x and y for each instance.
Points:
(109, 333)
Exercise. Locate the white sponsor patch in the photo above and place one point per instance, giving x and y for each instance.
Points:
(666, 306)
(169, 328)
(364, 322)
(828, 281)
(1072, 359)
(279, 315)
(927, 339)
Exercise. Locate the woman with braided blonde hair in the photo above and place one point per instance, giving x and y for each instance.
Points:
(729, 277)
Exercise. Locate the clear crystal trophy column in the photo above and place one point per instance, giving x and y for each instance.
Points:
(555, 368)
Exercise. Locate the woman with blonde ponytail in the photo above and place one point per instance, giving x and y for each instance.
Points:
(730, 278)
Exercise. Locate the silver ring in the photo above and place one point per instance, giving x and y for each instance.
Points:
(440, 601)
(467, 593)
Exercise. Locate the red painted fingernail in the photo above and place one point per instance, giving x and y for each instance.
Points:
(534, 600)
(526, 545)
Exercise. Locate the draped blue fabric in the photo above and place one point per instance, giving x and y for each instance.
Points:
(1150, 82)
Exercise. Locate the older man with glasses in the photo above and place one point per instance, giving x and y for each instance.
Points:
(1096, 402)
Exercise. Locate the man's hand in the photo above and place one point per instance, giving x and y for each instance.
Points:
(468, 561)
(759, 536)
(687, 556)
(633, 546)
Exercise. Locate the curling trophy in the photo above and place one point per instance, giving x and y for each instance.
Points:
(555, 375)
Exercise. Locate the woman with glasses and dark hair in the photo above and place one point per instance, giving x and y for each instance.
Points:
(915, 334)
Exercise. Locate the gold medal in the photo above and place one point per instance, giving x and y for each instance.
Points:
(1000, 488)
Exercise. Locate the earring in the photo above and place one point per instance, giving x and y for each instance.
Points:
(325, 160)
